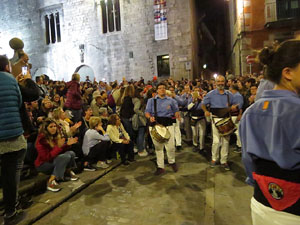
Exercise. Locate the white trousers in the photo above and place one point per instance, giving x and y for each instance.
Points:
(177, 133)
(199, 133)
(263, 215)
(170, 148)
(218, 142)
(237, 123)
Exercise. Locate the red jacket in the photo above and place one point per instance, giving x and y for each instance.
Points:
(73, 100)
(46, 153)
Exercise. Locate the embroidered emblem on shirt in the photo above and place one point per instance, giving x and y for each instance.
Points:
(168, 107)
(266, 105)
(276, 191)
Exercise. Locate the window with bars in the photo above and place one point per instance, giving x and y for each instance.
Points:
(52, 28)
(111, 17)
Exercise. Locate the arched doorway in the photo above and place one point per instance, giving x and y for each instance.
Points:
(44, 70)
(84, 71)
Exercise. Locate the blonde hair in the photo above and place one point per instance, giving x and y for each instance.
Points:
(94, 121)
(76, 77)
(129, 91)
(56, 113)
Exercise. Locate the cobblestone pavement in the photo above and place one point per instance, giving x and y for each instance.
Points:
(132, 195)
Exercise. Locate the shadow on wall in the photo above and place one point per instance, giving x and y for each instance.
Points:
(84, 71)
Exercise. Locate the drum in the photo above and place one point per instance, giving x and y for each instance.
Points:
(225, 126)
(160, 133)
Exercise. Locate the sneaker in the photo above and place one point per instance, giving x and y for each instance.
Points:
(213, 163)
(226, 166)
(178, 148)
(89, 168)
(143, 153)
(195, 149)
(15, 218)
(135, 150)
(108, 161)
(174, 167)
(238, 150)
(53, 186)
(126, 163)
(159, 171)
(102, 165)
(73, 176)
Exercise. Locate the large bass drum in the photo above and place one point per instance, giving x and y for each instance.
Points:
(160, 133)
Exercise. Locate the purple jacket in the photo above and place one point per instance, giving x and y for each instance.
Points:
(73, 95)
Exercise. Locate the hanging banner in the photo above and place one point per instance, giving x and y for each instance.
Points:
(160, 20)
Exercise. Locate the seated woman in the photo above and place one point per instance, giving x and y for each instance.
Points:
(120, 138)
(68, 131)
(53, 157)
(96, 145)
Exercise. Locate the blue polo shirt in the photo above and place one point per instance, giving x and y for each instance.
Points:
(185, 99)
(217, 100)
(238, 100)
(166, 107)
(269, 129)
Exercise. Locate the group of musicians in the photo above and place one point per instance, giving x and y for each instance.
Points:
(195, 108)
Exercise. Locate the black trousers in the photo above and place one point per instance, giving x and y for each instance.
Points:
(11, 166)
(125, 150)
(100, 152)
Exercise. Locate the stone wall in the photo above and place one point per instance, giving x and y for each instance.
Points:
(106, 54)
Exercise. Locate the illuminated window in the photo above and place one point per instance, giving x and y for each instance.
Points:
(52, 28)
(111, 18)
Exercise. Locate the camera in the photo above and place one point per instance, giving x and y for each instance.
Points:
(24, 70)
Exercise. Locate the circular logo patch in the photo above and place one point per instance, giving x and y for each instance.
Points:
(276, 191)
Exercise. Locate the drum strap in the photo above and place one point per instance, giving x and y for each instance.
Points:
(155, 109)
(228, 106)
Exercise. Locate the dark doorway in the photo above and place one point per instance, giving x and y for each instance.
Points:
(163, 66)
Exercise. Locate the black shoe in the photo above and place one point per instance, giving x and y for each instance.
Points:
(131, 160)
(15, 218)
(89, 168)
(178, 148)
(126, 163)
(195, 149)
(159, 171)
(238, 150)
(174, 167)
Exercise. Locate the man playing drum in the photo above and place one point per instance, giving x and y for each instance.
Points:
(166, 107)
(220, 101)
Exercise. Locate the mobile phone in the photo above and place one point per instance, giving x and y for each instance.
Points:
(24, 70)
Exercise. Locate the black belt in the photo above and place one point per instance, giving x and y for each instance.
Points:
(271, 169)
(220, 112)
(166, 121)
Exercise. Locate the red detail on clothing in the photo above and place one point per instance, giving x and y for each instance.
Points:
(289, 192)
(46, 153)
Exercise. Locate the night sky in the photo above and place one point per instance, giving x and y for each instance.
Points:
(215, 20)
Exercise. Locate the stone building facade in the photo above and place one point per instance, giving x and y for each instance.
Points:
(131, 52)
(258, 23)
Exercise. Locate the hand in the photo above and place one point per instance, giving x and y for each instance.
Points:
(152, 119)
(40, 119)
(125, 141)
(77, 125)
(234, 108)
(207, 113)
(238, 117)
(61, 142)
(72, 141)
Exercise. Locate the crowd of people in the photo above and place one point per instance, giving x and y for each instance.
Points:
(88, 124)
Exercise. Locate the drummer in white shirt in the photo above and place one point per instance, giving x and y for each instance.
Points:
(166, 108)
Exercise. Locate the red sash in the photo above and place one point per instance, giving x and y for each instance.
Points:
(280, 194)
